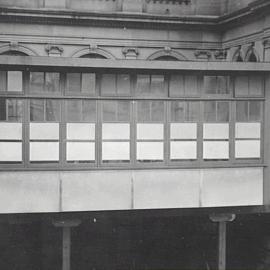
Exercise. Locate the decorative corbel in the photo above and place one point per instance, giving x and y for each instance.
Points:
(54, 50)
(130, 52)
(220, 54)
(202, 54)
(14, 45)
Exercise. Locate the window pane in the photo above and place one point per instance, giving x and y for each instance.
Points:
(157, 86)
(73, 110)
(84, 151)
(52, 110)
(223, 85)
(36, 81)
(15, 110)
(255, 111)
(183, 131)
(150, 131)
(176, 85)
(11, 151)
(192, 111)
(210, 111)
(256, 85)
(147, 151)
(3, 80)
(115, 151)
(143, 85)
(14, 81)
(157, 111)
(191, 86)
(109, 111)
(108, 84)
(123, 111)
(216, 150)
(73, 82)
(223, 111)
(115, 131)
(143, 111)
(80, 131)
(178, 111)
(241, 86)
(3, 109)
(44, 131)
(89, 110)
(44, 151)
(89, 83)
(248, 149)
(183, 150)
(52, 82)
(216, 131)
(123, 84)
(248, 130)
(116, 111)
(210, 84)
(36, 110)
(242, 111)
(10, 131)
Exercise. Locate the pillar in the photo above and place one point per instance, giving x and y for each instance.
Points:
(222, 220)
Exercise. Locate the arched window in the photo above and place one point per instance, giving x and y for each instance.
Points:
(166, 58)
(14, 53)
(252, 57)
(93, 55)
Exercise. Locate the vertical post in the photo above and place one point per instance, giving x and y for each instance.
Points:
(66, 248)
(222, 220)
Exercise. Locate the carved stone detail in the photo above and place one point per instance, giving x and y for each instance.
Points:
(222, 217)
(130, 52)
(54, 50)
(202, 54)
(220, 54)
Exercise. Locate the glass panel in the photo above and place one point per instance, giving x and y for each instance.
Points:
(150, 131)
(210, 84)
(255, 111)
(36, 81)
(73, 82)
(3, 80)
(36, 110)
(44, 131)
(248, 149)
(192, 111)
(89, 111)
(123, 114)
(242, 111)
(157, 86)
(80, 131)
(223, 111)
(256, 85)
(183, 131)
(183, 150)
(115, 131)
(89, 83)
(176, 85)
(123, 84)
(10, 131)
(178, 111)
(52, 82)
(191, 86)
(14, 81)
(248, 130)
(143, 111)
(52, 110)
(157, 111)
(44, 151)
(115, 151)
(84, 151)
(210, 111)
(150, 151)
(109, 111)
(216, 150)
(3, 109)
(143, 85)
(223, 85)
(108, 84)
(74, 110)
(11, 151)
(216, 131)
(241, 86)
(15, 110)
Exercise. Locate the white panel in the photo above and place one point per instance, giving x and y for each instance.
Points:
(80, 131)
(248, 130)
(183, 131)
(115, 151)
(10, 131)
(115, 131)
(216, 150)
(150, 151)
(248, 149)
(14, 81)
(10, 151)
(44, 131)
(44, 151)
(216, 131)
(150, 131)
(81, 151)
(183, 150)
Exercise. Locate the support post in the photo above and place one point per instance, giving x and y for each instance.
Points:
(222, 220)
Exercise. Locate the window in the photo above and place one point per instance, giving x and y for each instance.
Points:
(246, 86)
(150, 131)
(116, 131)
(81, 83)
(80, 131)
(216, 130)
(44, 130)
(44, 82)
(248, 129)
(11, 81)
(11, 111)
(183, 130)
(216, 85)
(115, 85)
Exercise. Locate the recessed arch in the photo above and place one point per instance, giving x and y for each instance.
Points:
(238, 56)
(93, 53)
(17, 50)
(169, 55)
(252, 55)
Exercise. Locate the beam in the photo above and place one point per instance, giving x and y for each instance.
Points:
(161, 66)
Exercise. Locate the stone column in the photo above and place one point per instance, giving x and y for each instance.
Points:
(222, 220)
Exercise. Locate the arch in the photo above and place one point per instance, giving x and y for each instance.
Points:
(252, 55)
(167, 54)
(90, 53)
(17, 49)
(238, 57)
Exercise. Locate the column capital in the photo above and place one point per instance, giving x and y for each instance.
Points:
(66, 222)
(222, 217)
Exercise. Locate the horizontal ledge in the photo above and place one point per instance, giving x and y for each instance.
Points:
(109, 64)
